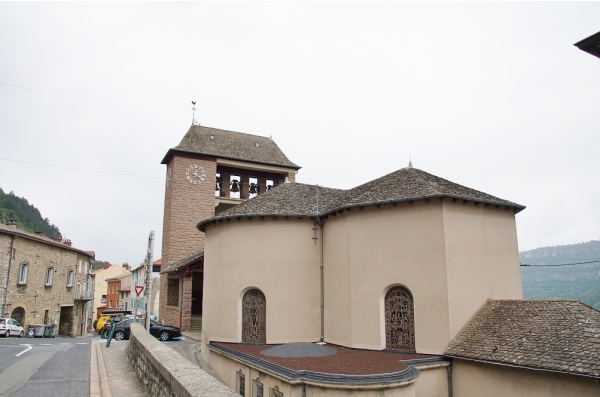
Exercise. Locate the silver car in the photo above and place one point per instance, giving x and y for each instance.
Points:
(10, 327)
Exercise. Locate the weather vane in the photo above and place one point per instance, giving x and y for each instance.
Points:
(194, 113)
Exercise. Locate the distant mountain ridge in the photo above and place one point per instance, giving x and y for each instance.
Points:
(27, 217)
(563, 272)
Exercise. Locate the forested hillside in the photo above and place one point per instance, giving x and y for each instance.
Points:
(28, 218)
(563, 272)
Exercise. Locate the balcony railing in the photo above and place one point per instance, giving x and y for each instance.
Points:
(84, 295)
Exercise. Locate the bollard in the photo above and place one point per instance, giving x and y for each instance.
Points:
(111, 333)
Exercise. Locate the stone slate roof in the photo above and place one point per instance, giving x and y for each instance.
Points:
(413, 184)
(231, 145)
(406, 184)
(188, 260)
(557, 336)
(41, 238)
(286, 200)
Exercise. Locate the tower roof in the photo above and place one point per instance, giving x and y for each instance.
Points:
(231, 145)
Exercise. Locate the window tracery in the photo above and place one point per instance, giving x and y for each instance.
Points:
(399, 319)
(254, 315)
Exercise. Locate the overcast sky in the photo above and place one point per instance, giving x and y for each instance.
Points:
(493, 96)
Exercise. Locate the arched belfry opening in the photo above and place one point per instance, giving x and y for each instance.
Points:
(399, 319)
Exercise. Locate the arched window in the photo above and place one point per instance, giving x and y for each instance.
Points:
(399, 319)
(254, 317)
(18, 314)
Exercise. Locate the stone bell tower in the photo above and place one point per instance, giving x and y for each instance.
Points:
(210, 171)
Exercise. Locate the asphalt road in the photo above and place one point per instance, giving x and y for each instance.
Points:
(49, 367)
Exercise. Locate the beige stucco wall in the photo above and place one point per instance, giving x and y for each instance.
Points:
(368, 251)
(280, 258)
(482, 258)
(478, 379)
(452, 256)
(433, 381)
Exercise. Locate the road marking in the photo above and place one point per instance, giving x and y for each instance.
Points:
(17, 374)
(81, 343)
(46, 344)
(26, 350)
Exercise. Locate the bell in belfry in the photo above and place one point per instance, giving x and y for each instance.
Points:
(235, 186)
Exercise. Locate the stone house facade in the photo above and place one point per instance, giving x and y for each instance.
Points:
(45, 281)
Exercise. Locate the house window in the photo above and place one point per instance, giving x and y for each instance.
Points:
(49, 274)
(240, 380)
(257, 388)
(399, 319)
(110, 304)
(274, 392)
(70, 278)
(173, 292)
(23, 273)
(254, 317)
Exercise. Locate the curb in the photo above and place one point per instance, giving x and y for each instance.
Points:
(99, 385)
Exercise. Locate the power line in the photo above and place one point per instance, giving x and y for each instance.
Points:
(81, 170)
(559, 264)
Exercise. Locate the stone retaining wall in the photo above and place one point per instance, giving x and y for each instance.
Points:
(165, 372)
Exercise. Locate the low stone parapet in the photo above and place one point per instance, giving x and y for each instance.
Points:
(165, 372)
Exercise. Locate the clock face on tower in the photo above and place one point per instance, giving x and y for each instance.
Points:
(195, 174)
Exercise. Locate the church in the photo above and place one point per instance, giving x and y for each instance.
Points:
(407, 285)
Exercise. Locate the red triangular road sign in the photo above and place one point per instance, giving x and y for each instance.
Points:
(138, 290)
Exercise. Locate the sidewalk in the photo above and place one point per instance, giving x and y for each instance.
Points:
(111, 374)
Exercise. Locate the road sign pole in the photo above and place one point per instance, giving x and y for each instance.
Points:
(148, 278)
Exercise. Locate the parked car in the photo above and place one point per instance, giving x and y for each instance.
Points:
(11, 327)
(108, 324)
(162, 332)
(108, 314)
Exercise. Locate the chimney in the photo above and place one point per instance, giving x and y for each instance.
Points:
(126, 266)
(105, 265)
(67, 242)
(12, 223)
(39, 233)
(58, 239)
